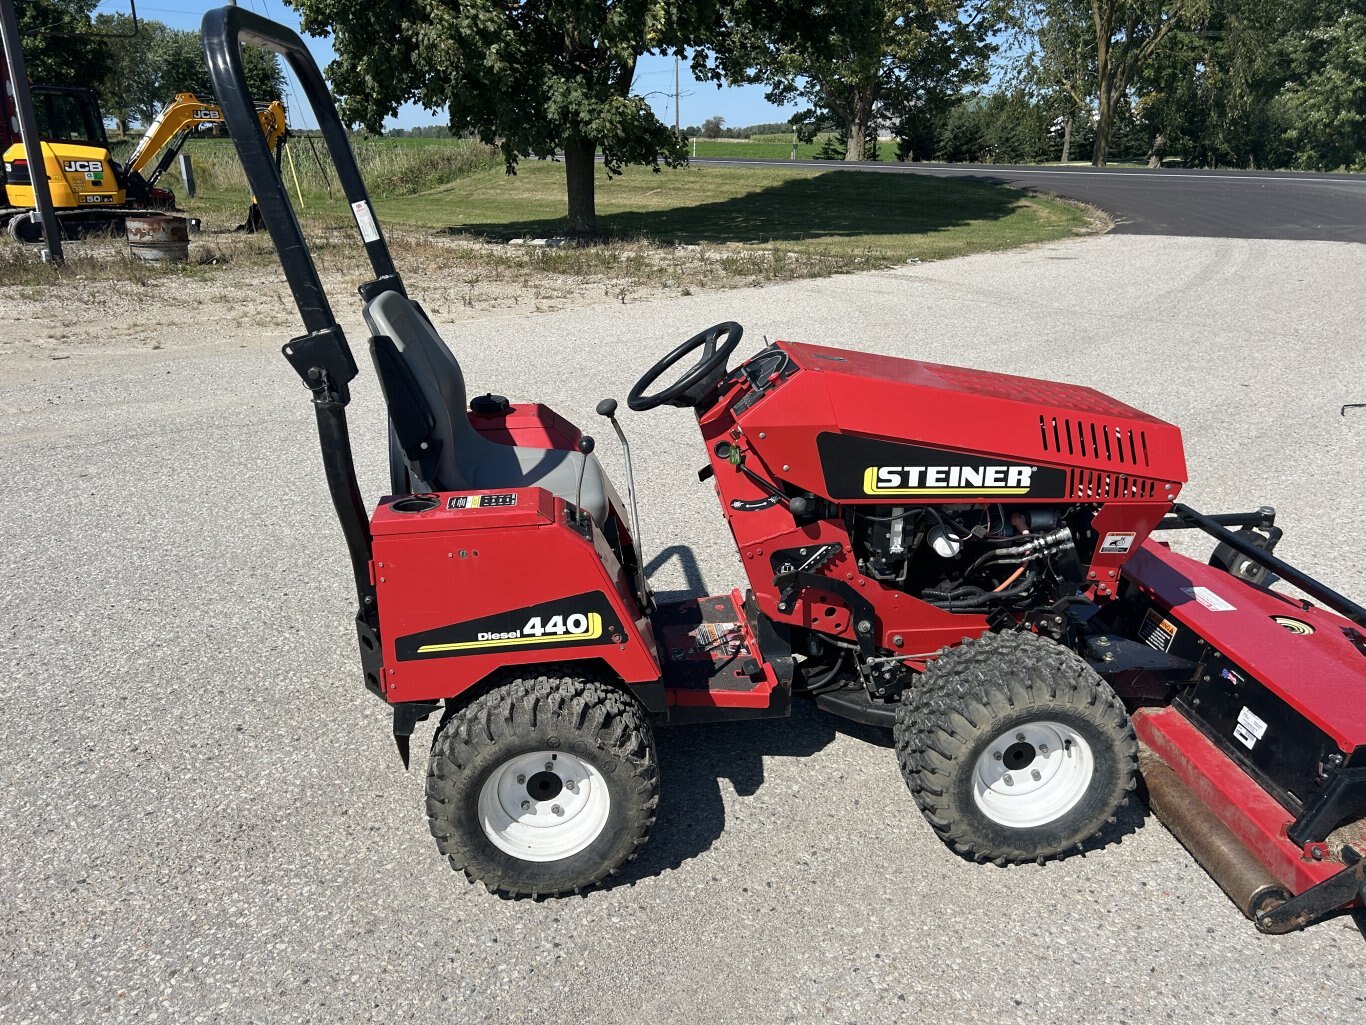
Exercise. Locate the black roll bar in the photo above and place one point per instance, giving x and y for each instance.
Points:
(224, 29)
(321, 357)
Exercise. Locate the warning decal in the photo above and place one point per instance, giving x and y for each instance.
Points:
(365, 221)
(1250, 728)
(1157, 632)
(1209, 599)
(1116, 543)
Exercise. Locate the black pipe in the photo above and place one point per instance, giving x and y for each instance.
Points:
(1263, 517)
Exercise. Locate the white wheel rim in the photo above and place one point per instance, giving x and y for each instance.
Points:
(1031, 775)
(544, 806)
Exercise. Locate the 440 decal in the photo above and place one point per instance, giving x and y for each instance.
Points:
(581, 620)
(575, 626)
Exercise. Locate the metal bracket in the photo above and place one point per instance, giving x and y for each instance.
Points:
(789, 585)
(1109, 654)
(1342, 797)
(1315, 902)
(324, 363)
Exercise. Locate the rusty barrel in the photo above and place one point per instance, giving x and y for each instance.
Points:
(158, 238)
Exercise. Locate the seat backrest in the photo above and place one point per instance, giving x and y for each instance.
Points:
(430, 376)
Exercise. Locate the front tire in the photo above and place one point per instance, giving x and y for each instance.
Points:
(544, 785)
(1015, 749)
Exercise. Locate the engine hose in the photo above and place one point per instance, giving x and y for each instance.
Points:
(814, 684)
(987, 598)
(1059, 540)
(954, 593)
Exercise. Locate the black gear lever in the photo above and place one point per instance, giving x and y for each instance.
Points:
(585, 446)
(608, 408)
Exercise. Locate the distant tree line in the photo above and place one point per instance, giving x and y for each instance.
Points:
(1246, 83)
(135, 70)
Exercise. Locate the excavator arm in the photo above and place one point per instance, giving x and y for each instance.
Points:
(178, 121)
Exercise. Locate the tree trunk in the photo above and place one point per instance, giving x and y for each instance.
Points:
(580, 177)
(857, 139)
(1104, 123)
(1158, 150)
(1067, 139)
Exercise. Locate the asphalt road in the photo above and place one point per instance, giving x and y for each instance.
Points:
(202, 818)
(1209, 204)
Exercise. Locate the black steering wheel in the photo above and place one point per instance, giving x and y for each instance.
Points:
(689, 389)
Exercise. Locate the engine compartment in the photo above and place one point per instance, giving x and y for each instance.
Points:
(974, 558)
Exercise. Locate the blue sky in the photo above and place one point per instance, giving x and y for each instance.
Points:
(741, 105)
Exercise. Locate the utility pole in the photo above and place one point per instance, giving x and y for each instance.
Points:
(28, 132)
(678, 134)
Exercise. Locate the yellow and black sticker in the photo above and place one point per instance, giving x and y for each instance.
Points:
(501, 501)
(567, 622)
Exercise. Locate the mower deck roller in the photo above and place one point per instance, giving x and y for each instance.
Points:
(1248, 882)
(965, 556)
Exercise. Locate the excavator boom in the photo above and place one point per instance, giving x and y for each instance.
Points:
(181, 117)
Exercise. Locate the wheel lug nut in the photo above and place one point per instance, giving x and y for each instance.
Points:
(1020, 737)
(996, 755)
(526, 806)
(1009, 781)
(557, 809)
(569, 784)
(549, 766)
(521, 780)
(1034, 773)
(1043, 749)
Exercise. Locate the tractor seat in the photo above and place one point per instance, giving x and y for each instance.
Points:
(420, 371)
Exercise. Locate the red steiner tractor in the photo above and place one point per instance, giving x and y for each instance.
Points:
(967, 558)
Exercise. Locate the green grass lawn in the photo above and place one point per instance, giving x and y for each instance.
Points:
(888, 217)
(774, 222)
(735, 225)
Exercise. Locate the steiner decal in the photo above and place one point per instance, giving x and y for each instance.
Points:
(586, 618)
(867, 468)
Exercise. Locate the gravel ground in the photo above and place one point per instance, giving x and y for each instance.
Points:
(203, 820)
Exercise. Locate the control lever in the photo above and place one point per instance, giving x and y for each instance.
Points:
(585, 447)
(608, 408)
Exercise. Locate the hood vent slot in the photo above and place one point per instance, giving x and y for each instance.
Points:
(1094, 440)
(1096, 485)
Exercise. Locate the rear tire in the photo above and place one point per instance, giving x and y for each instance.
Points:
(1015, 749)
(543, 786)
(25, 231)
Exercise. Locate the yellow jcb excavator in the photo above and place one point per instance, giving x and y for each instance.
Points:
(89, 189)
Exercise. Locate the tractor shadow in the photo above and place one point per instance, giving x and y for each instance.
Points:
(695, 759)
(694, 586)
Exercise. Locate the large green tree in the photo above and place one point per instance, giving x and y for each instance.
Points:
(858, 63)
(131, 90)
(1061, 66)
(1126, 36)
(60, 45)
(151, 65)
(1262, 83)
(538, 78)
(181, 68)
(1323, 105)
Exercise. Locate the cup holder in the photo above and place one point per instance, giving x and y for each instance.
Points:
(415, 504)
